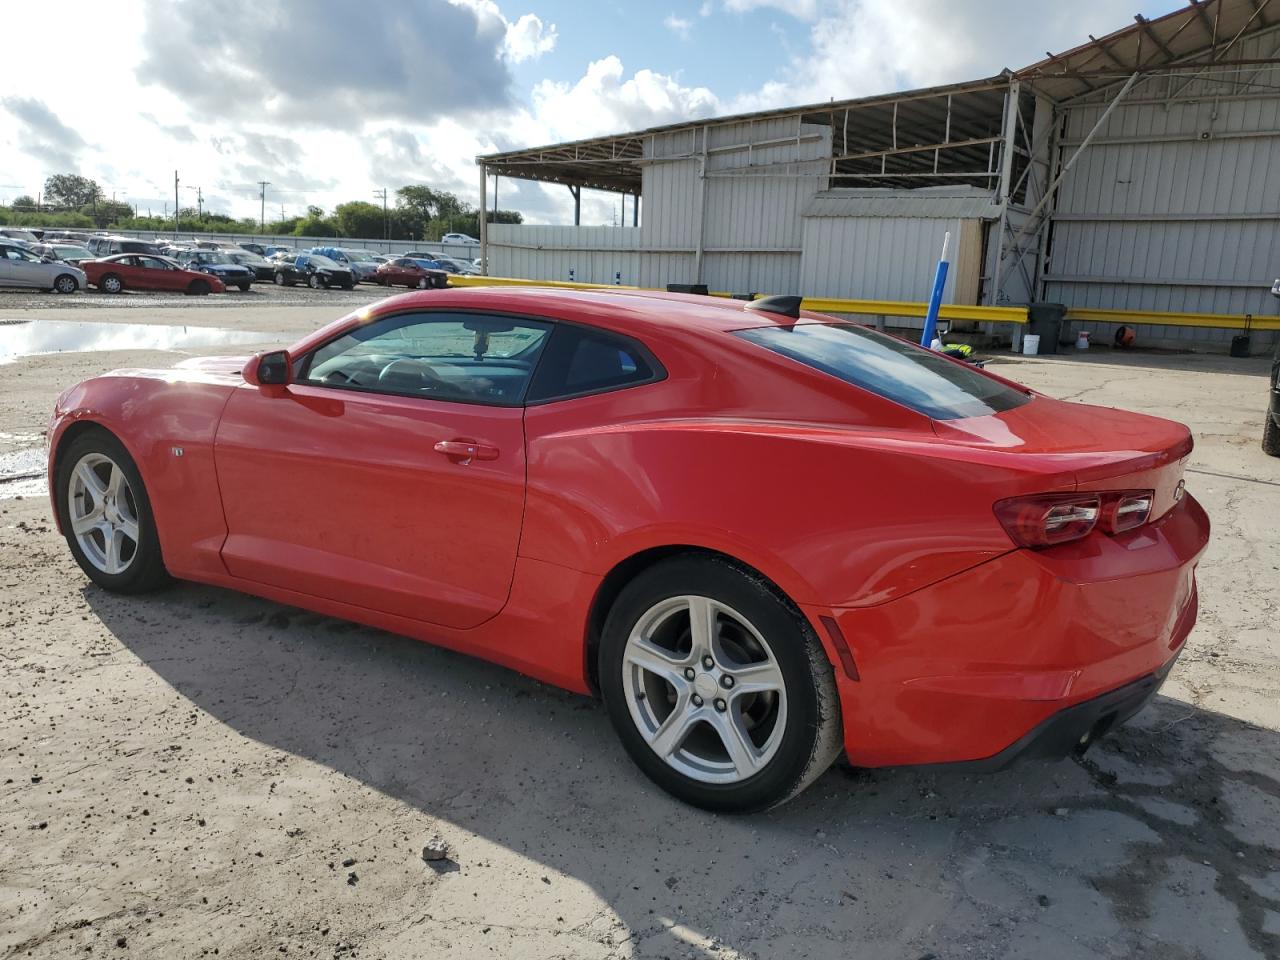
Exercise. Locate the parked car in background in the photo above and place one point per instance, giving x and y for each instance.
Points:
(271, 249)
(66, 252)
(455, 266)
(460, 238)
(315, 271)
(20, 267)
(133, 271)
(359, 262)
(22, 237)
(217, 264)
(109, 246)
(257, 248)
(263, 269)
(1271, 425)
(411, 273)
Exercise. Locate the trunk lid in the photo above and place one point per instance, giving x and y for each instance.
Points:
(1097, 448)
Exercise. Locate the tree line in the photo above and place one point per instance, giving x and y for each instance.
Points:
(420, 213)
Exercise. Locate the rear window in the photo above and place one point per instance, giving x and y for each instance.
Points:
(919, 379)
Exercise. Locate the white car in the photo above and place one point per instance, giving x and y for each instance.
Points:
(19, 267)
(460, 238)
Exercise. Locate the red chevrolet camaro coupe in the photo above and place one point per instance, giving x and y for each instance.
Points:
(760, 535)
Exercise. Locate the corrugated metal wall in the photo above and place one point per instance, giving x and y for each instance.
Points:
(878, 258)
(759, 176)
(1176, 204)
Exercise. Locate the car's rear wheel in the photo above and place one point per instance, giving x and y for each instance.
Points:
(106, 516)
(244, 287)
(199, 288)
(111, 284)
(717, 686)
(422, 283)
(1270, 432)
(65, 283)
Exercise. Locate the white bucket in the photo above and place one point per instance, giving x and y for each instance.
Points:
(1030, 344)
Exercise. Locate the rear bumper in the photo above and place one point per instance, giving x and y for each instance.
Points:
(1073, 730)
(980, 666)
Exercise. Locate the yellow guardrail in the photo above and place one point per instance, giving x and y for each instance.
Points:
(887, 308)
(1221, 321)
(949, 311)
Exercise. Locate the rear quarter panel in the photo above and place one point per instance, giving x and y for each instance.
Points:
(156, 413)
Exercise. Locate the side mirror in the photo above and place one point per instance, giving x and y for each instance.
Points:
(269, 369)
(1275, 289)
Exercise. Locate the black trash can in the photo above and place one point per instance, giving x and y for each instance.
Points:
(687, 288)
(1045, 320)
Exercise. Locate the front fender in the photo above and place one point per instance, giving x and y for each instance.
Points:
(166, 420)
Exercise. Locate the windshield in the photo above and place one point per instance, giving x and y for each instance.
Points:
(71, 252)
(205, 256)
(917, 378)
(362, 256)
(321, 261)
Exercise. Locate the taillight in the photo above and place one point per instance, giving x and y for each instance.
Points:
(1127, 510)
(1048, 519)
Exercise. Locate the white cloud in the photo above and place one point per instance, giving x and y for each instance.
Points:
(604, 100)
(706, 9)
(678, 25)
(800, 9)
(529, 38)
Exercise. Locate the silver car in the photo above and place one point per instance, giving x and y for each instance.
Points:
(19, 267)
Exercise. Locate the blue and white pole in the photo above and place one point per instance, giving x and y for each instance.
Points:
(935, 300)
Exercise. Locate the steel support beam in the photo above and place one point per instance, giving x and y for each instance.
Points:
(484, 221)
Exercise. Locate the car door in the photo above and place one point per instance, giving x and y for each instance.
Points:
(159, 274)
(25, 269)
(390, 475)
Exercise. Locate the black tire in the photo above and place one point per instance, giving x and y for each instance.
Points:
(111, 283)
(280, 281)
(145, 570)
(1271, 432)
(199, 288)
(244, 287)
(811, 734)
(348, 286)
(441, 282)
(315, 281)
(65, 283)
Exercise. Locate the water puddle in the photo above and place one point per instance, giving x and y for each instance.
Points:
(22, 472)
(25, 338)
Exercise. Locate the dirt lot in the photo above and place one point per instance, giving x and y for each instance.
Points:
(198, 773)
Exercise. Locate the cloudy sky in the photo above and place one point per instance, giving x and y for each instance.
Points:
(331, 100)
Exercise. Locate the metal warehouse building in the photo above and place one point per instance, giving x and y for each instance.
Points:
(1135, 179)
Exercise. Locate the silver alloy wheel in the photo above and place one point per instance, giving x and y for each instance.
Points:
(422, 283)
(65, 284)
(103, 513)
(112, 284)
(314, 281)
(704, 689)
(279, 279)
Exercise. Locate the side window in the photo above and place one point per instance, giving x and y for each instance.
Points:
(580, 360)
(468, 358)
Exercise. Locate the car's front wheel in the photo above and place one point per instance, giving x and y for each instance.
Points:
(65, 283)
(110, 284)
(244, 287)
(314, 281)
(1270, 431)
(199, 288)
(106, 516)
(717, 686)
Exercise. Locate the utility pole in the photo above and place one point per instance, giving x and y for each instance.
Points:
(385, 226)
(199, 204)
(262, 196)
(175, 204)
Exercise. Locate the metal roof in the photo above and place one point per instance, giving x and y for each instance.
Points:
(948, 203)
(1199, 35)
(1192, 38)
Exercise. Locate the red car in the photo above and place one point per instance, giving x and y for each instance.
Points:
(760, 535)
(136, 271)
(405, 272)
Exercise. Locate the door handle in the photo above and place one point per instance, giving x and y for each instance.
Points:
(464, 451)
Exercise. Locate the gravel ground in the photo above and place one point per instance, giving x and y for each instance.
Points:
(15, 303)
(197, 773)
